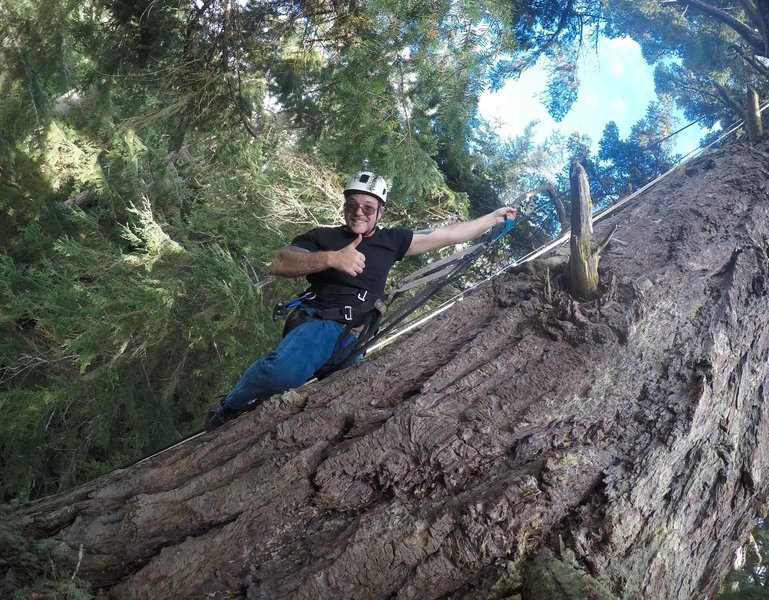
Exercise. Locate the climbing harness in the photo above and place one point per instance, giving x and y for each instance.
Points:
(435, 276)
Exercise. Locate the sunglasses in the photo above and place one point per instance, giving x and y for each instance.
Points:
(352, 208)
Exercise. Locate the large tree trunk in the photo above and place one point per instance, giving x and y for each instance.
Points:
(615, 448)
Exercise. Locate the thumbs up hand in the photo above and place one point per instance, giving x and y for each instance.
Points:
(349, 260)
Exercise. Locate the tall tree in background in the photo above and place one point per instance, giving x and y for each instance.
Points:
(627, 165)
(403, 98)
(555, 31)
(708, 52)
(154, 154)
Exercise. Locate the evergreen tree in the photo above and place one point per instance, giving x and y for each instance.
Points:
(154, 155)
(708, 53)
(627, 165)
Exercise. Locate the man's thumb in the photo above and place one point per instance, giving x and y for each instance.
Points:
(357, 241)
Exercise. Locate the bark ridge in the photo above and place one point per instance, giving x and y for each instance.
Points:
(521, 445)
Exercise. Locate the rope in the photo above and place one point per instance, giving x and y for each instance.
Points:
(563, 237)
(381, 340)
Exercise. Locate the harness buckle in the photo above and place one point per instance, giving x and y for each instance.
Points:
(348, 313)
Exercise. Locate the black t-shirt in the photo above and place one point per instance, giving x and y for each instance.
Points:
(382, 249)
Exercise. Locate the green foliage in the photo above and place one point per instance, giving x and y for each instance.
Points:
(750, 581)
(707, 53)
(154, 156)
(749, 594)
(402, 98)
(551, 33)
(563, 84)
(627, 165)
(113, 352)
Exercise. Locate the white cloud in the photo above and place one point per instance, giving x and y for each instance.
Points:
(616, 84)
(619, 107)
(616, 66)
(592, 99)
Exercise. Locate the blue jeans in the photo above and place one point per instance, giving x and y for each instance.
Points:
(301, 353)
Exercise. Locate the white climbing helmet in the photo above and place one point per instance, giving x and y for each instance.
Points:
(367, 182)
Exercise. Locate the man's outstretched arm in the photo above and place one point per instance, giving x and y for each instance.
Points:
(457, 233)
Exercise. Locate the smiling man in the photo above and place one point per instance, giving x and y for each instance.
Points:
(347, 268)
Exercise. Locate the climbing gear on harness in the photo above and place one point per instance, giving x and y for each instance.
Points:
(438, 275)
(281, 309)
(367, 182)
(350, 313)
(353, 315)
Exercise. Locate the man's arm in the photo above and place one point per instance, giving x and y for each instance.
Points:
(457, 233)
(292, 261)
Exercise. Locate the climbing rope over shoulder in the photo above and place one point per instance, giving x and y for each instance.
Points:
(439, 274)
(435, 276)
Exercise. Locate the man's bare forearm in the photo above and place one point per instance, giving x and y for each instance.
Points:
(464, 231)
(293, 262)
(457, 233)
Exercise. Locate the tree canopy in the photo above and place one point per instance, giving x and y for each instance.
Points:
(155, 154)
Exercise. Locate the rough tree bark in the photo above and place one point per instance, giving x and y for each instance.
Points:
(463, 462)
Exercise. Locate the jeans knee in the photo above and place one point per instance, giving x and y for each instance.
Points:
(283, 374)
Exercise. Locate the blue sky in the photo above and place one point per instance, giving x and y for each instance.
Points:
(616, 85)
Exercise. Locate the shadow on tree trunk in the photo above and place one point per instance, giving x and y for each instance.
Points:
(520, 445)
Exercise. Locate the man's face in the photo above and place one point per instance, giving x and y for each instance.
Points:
(361, 213)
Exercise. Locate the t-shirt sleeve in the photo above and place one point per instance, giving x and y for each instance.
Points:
(307, 241)
(403, 239)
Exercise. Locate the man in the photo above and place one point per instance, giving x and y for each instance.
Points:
(347, 268)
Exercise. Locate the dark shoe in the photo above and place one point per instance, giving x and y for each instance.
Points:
(219, 414)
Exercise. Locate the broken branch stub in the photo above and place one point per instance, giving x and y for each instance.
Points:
(753, 117)
(583, 262)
